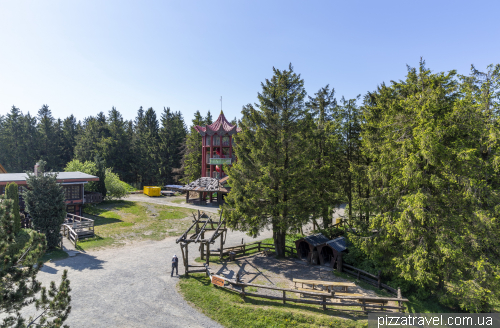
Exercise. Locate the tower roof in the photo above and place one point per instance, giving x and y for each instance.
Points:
(220, 127)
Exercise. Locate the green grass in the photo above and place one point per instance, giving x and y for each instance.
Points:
(54, 255)
(118, 221)
(178, 200)
(228, 309)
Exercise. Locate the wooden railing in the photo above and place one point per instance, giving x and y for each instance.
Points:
(94, 197)
(76, 227)
(372, 279)
(259, 246)
(365, 302)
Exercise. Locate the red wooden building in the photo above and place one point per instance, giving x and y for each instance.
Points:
(73, 184)
(217, 146)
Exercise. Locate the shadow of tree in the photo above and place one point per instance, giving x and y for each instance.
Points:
(80, 262)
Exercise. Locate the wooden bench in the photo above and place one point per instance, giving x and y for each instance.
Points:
(328, 284)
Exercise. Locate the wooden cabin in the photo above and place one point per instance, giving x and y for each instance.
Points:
(307, 247)
(329, 251)
(73, 184)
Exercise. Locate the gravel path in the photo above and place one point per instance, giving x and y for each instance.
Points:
(130, 286)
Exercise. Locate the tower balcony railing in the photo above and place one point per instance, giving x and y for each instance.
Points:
(220, 160)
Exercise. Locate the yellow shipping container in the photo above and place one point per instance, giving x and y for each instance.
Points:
(152, 191)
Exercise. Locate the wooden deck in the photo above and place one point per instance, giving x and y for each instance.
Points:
(77, 227)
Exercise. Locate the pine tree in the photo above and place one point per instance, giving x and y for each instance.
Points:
(172, 134)
(434, 147)
(191, 159)
(49, 151)
(44, 201)
(116, 148)
(69, 137)
(100, 167)
(270, 180)
(12, 192)
(18, 275)
(324, 142)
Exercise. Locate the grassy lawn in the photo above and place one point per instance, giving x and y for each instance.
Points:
(228, 309)
(117, 222)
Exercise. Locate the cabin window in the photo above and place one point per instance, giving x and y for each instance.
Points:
(216, 141)
(225, 141)
(207, 140)
(73, 192)
(2, 190)
(70, 209)
(225, 152)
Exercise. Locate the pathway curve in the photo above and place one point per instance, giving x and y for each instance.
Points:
(130, 286)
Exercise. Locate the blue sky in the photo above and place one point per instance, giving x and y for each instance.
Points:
(83, 57)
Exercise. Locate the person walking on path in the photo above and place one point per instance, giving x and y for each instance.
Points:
(175, 262)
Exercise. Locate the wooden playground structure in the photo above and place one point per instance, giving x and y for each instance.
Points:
(198, 237)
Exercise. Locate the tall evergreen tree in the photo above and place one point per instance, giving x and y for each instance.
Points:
(116, 148)
(100, 167)
(12, 192)
(69, 137)
(434, 145)
(49, 150)
(44, 201)
(172, 134)
(18, 274)
(324, 141)
(191, 159)
(270, 180)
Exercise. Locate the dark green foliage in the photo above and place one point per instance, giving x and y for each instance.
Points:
(44, 201)
(100, 167)
(19, 257)
(172, 134)
(270, 179)
(433, 142)
(12, 192)
(191, 160)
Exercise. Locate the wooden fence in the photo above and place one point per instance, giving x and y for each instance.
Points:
(372, 279)
(245, 249)
(367, 304)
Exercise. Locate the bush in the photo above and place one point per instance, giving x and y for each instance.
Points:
(116, 188)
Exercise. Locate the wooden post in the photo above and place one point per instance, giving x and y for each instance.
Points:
(363, 307)
(186, 264)
(221, 245)
(259, 245)
(208, 254)
(358, 274)
(399, 302)
(324, 303)
(284, 297)
(244, 251)
(187, 197)
(379, 272)
(339, 262)
(242, 293)
(202, 247)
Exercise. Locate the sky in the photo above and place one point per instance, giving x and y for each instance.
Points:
(84, 57)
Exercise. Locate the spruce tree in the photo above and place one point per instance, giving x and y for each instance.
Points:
(100, 167)
(12, 192)
(433, 141)
(19, 285)
(44, 201)
(269, 180)
(191, 160)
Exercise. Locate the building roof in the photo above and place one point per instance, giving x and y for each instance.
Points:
(339, 244)
(62, 177)
(220, 127)
(316, 239)
(2, 170)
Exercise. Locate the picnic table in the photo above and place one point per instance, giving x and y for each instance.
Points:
(327, 284)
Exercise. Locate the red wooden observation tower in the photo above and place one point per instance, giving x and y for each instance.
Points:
(217, 146)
